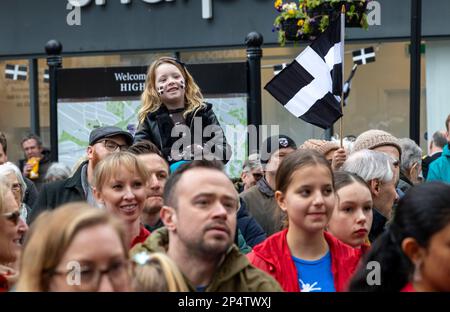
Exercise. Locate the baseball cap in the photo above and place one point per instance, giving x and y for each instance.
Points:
(109, 131)
(274, 143)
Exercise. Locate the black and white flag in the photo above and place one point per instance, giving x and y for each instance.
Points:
(364, 56)
(348, 83)
(16, 72)
(46, 76)
(307, 86)
(278, 68)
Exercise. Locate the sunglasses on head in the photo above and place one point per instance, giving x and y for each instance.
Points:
(14, 216)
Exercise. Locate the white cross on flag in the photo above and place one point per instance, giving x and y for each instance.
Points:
(306, 87)
(15, 72)
(46, 76)
(364, 56)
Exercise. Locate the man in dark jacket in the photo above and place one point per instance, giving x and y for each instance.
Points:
(260, 199)
(102, 142)
(250, 229)
(200, 223)
(33, 148)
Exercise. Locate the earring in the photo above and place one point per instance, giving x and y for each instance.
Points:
(417, 276)
(101, 204)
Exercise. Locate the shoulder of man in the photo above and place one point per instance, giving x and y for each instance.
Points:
(237, 266)
(156, 242)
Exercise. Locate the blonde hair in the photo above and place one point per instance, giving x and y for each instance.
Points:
(157, 273)
(109, 166)
(151, 101)
(50, 236)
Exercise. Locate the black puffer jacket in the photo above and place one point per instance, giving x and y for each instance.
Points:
(57, 193)
(157, 128)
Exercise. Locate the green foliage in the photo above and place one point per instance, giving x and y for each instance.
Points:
(313, 16)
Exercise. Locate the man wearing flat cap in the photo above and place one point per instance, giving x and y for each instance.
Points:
(102, 142)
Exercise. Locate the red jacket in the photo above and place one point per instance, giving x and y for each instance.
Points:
(3, 284)
(408, 288)
(273, 256)
(143, 234)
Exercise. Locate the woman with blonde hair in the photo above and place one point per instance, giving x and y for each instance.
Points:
(72, 248)
(172, 103)
(156, 272)
(12, 230)
(120, 185)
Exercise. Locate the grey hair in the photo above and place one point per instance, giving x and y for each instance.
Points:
(57, 171)
(6, 169)
(253, 162)
(411, 154)
(370, 165)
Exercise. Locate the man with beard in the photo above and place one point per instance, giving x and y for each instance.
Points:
(158, 168)
(199, 213)
(102, 142)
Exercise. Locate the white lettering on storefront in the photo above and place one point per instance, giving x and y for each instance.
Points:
(206, 4)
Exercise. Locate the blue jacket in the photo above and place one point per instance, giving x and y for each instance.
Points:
(440, 168)
(249, 227)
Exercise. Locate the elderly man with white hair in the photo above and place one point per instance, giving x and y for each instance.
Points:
(376, 168)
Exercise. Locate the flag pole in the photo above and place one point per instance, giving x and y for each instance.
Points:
(341, 121)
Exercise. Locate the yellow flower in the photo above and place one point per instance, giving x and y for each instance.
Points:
(300, 23)
(278, 3)
(291, 12)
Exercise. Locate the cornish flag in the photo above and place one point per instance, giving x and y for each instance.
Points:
(46, 76)
(15, 72)
(306, 87)
(364, 56)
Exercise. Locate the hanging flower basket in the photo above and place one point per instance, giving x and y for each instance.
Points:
(306, 19)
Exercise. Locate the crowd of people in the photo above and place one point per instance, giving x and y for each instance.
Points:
(146, 213)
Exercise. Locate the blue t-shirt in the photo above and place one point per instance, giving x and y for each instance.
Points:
(316, 275)
(200, 288)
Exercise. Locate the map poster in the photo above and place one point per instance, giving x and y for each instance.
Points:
(110, 96)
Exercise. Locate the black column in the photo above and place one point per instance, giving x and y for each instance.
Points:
(254, 41)
(53, 49)
(34, 97)
(414, 97)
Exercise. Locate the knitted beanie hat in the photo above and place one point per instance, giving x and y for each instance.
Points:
(322, 146)
(375, 138)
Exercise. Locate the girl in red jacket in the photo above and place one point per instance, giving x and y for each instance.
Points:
(304, 257)
(414, 253)
(352, 216)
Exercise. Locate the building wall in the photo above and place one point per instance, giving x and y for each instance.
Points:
(25, 26)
